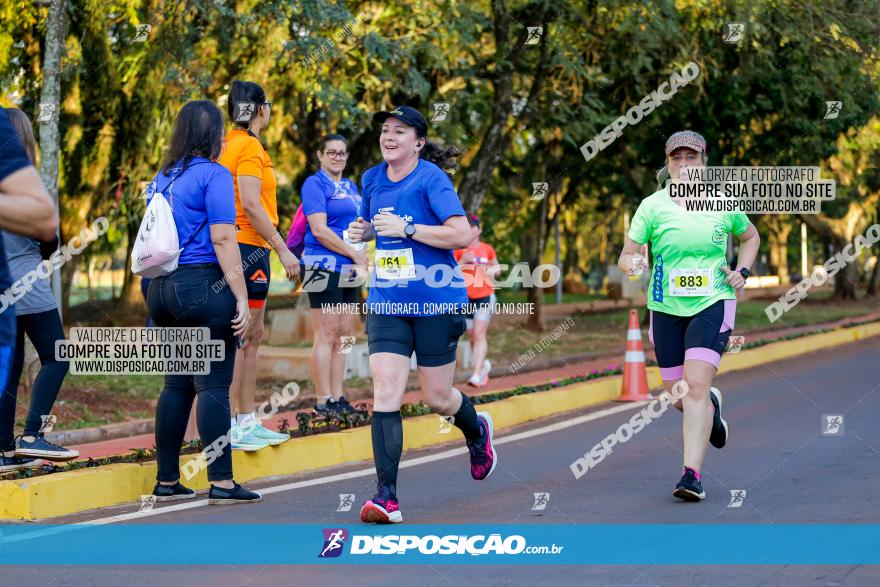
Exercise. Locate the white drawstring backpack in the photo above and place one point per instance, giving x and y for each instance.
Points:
(157, 249)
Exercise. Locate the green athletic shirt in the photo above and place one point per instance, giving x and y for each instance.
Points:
(685, 240)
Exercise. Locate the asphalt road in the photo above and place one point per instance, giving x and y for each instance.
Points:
(791, 473)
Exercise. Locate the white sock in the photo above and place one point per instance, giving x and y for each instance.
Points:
(233, 422)
(245, 419)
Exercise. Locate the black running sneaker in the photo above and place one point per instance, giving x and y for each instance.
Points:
(16, 463)
(718, 437)
(40, 448)
(343, 406)
(236, 495)
(329, 407)
(689, 488)
(172, 492)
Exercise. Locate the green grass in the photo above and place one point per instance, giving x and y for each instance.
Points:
(606, 332)
(138, 386)
(815, 309)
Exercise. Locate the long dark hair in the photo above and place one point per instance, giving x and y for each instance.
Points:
(244, 92)
(444, 156)
(25, 131)
(198, 132)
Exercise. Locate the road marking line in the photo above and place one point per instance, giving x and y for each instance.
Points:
(338, 477)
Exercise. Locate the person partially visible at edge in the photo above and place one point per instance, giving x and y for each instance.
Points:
(25, 209)
(331, 202)
(480, 262)
(201, 196)
(256, 222)
(692, 299)
(37, 317)
(412, 210)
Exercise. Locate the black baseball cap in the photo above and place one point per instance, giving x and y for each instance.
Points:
(407, 115)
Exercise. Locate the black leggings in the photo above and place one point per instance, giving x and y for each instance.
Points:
(188, 297)
(43, 329)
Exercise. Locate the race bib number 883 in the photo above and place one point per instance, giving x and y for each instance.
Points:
(690, 282)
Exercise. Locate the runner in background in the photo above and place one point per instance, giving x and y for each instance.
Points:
(26, 209)
(37, 316)
(413, 212)
(692, 299)
(479, 264)
(256, 221)
(330, 203)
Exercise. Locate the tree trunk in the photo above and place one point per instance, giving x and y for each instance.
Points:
(496, 139)
(778, 231)
(130, 294)
(50, 98)
(532, 248)
(845, 279)
(872, 282)
(67, 271)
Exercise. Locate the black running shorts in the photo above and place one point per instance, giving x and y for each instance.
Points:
(433, 338)
(701, 337)
(257, 273)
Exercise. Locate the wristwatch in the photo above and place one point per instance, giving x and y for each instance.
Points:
(409, 230)
(744, 272)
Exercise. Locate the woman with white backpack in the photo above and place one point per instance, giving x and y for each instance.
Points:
(189, 290)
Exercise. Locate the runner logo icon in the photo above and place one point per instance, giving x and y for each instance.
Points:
(315, 282)
(832, 424)
(541, 500)
(334, 540)
(346, 500)
(736, 498)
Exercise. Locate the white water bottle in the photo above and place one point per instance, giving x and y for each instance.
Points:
(356, 246)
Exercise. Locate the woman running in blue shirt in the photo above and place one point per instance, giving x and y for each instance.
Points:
(417, 296)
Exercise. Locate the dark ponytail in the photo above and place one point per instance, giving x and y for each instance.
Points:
(244, 92)
(442, 156)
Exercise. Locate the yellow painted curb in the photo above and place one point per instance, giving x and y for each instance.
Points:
(776, 351)
(85, 489)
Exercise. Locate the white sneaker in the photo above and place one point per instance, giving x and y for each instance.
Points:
(475, 381)
(487, 366)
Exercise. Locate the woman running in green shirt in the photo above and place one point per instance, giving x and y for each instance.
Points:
(692, 299)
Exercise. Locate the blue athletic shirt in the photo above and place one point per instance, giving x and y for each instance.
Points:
(12, 158)
(425, 196)
(341, 202)
(202, 191)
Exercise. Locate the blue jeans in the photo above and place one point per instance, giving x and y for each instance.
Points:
(186, 298)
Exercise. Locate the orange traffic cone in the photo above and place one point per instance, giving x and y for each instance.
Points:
(635, 376)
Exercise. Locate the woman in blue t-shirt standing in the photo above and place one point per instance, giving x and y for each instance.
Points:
(196, 295)
(331, 202)
(417, 296)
